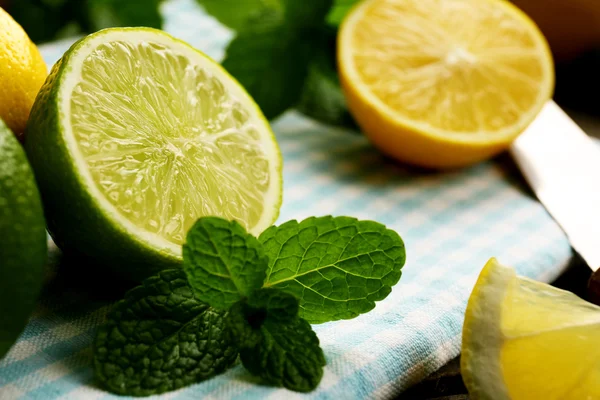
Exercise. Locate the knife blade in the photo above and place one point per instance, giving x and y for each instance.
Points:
(561, 163)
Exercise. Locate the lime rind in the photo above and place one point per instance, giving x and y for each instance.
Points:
(82, 217)
(24, 242)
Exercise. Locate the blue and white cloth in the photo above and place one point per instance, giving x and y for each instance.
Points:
(452, 224)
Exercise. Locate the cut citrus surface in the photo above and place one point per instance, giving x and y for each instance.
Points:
(135, 135)
(443, 83)
(524, 339)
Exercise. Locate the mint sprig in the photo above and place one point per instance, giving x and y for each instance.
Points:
(271, 52)
(255, 296)
(284, 54)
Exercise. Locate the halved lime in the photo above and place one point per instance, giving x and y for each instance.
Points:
(134, 136)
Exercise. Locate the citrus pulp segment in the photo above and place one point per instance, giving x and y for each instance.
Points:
(524, 339)
(443, 83)
(149, 135)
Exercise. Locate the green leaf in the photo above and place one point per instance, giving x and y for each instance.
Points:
(322, 98)
(287, 354)
(42, 20)
(161, 337)
(244, 11)
(274, 342)
(109, 13)
(306, 14)
(223, 262)
(339, 11)
(46, 20)
(337, 267)
(270, 56)
(279, 305)
(246, 316)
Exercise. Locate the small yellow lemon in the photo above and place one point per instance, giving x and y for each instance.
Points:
(22, 73)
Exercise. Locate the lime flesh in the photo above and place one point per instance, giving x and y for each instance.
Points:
(152, 135)
(195, 149)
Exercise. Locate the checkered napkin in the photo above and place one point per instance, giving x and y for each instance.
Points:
(451, 223)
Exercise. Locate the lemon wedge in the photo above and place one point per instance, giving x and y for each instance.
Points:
(524, 339)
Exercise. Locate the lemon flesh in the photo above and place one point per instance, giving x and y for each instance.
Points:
(150, 135)
(443, 83)
(523, 339)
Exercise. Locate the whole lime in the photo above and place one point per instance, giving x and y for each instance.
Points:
(23, 244)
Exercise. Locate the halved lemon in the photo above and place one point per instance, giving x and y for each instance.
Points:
(443, 83)
(134, 136)
(524, 339)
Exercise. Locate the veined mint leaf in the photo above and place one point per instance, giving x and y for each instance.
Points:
(161, 337)
(270, 56)
(223, 262)
(337, 267)
(236, 14)
(274, 342)
(287, 354)
(339, 10)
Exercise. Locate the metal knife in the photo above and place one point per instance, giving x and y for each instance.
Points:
(562, 165)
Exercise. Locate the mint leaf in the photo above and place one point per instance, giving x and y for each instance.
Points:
(161, 337)
(236, 14)
(322, 98)
(223, 262)
(287, 354)
(278, 305)
(109, 13)
(246, 316)
(339, 10)
(275, 343)
(306, 14)
(270, 56)
(337, 267)
(46, 20)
